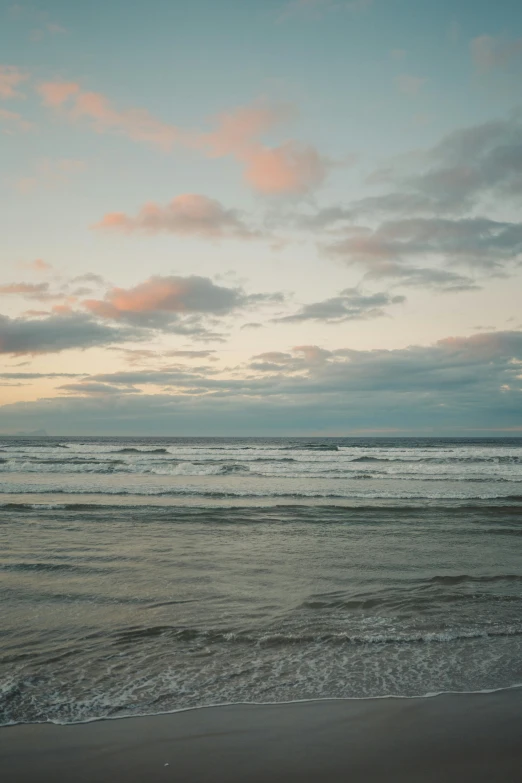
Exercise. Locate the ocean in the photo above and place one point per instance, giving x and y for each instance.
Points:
(146, 575)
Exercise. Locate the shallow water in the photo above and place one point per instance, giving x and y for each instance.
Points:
(144, 575)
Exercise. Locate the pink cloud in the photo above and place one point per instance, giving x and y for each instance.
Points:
(289, 168)
(189, 214)
(238, 129)
(57, 93)
(154, 294)
(62, 309)
(39, 265)
(12, 121)
(137, 124)
(10, 78)
(171, 294)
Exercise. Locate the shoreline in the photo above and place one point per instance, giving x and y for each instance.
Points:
(222, 705)
(451, 737)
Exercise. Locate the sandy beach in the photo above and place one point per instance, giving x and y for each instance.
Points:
(452, 737)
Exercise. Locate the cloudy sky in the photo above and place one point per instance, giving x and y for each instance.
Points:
(261, 217)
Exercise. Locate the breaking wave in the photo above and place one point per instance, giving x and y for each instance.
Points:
(275, 638)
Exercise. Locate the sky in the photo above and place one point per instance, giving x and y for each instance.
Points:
(261, 217)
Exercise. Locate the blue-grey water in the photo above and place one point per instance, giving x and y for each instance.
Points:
(145, 575)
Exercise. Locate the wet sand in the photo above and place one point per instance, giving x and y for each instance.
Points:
(443, 739)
